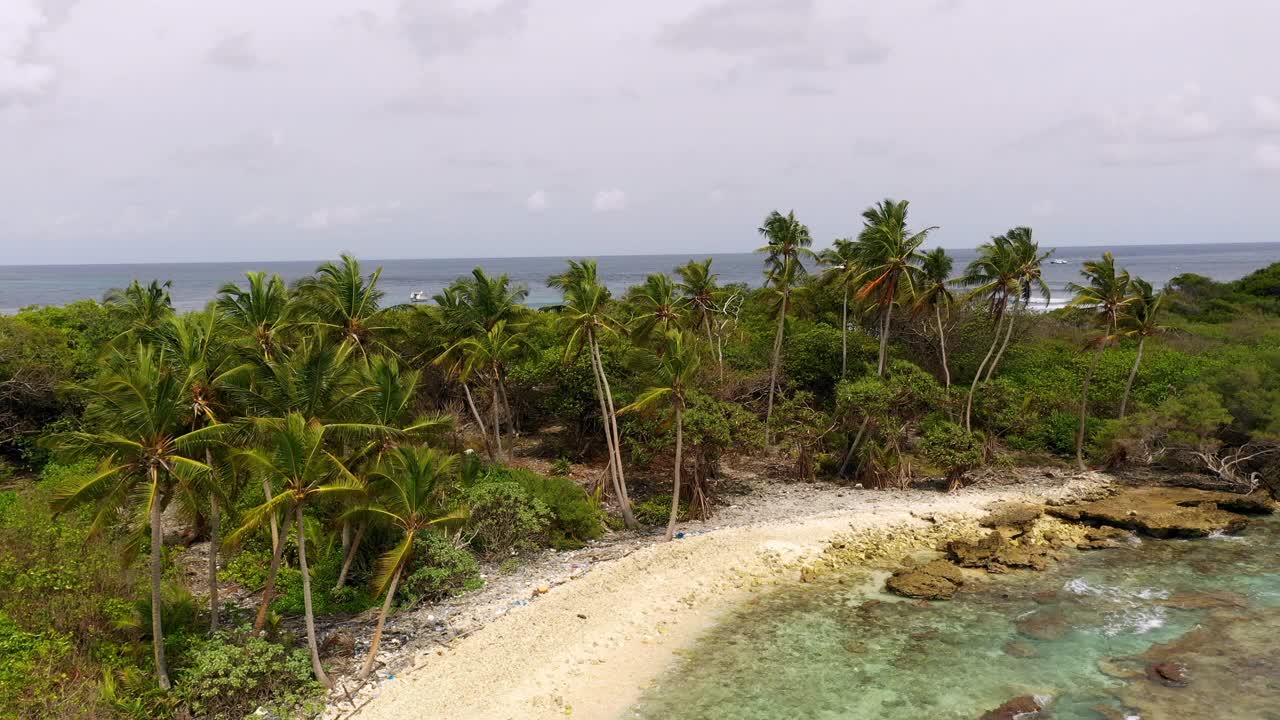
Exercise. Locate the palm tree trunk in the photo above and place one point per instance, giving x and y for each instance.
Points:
(377, 630)
(675, 474)
(942, 344)
(484, 431)
(157, 573)
(973, 387)
(269, 589)
(613, 428)
(497, 428)
(1084, 406)
(615, 457)
(773, 367)
(1128, 386)
(316, 667)
(351, 556)
(215, 532)
(275, 525)
(884, 337)
(844, 334)
(992, 368)
(853, 446)
(506, 404)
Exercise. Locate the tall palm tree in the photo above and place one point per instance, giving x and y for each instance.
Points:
(993, 277)
(888, 253)
(484, 301)
(675, 375)
(658, 307)
(584, 318)
(698, 287)
(140, 413)
(413, 488)
(144, 307)
(844, 270)
(788, 246)
(338, 299)
(485, 353)
(932, 292)
(296, 458)
(258, 311)
(1106, 293)
(1140, 319)
(448, 323)
(1027, 261)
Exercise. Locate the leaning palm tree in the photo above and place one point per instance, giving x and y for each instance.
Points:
(888, 254)
(584, 317)
(1105, 293)
(295, 457)
(1027, 262)
(932, 292)
(993, 277)
(413, 495)
(788, 246)
(675, 374)
(657, 308)
(259, 310)
(484, 354)
(842, 260)
(140, 417)
(339, 300)
(1140, 319)
(698, 287)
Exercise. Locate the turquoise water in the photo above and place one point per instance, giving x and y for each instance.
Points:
(831, 652)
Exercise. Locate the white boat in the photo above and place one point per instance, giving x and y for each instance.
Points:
(1059, 261)
(418, 296)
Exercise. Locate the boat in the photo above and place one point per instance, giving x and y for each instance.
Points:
(418, 296)
(1059, 261)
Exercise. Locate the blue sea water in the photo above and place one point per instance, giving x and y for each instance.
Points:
(194, 284)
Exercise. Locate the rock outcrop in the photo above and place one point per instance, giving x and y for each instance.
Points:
(937, 580)
(1025, 707)
(1166, 512)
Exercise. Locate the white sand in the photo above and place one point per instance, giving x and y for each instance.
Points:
(589, 648)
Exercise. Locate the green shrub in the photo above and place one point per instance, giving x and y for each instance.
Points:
(439, 570)
(504, 518)
(1057, 432)
(31, 666)
(575, 519)
(226, 677)
(952, 449)
(248, 569)
(656, 510)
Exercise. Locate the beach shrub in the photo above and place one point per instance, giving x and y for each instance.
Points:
(505, 519)
(656, 509)
(952, 449)
(226, 677)
(575, 518)
(440, 569)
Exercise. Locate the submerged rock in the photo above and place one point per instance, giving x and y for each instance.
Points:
(1169, 674)
(937, 580)
(1025, 707)
(1045, 624)
(1210, 600)
(1166, 512)
(1104, 538)
(1013, 648)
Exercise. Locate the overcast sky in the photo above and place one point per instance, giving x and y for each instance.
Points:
(135, 130)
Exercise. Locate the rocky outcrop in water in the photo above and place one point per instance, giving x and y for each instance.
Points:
(1104, 538)
(996, 553)
(1166, 512)
(1025, 707)
(937, 580)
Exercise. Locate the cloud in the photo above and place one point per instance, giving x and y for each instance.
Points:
(342, 215)
(609, 201)
(235, 52)
(435, 28)
(1266, 111)
(1043, 208)
(1176, 117)
(537, 201)
(22, 77)
(1267, 157)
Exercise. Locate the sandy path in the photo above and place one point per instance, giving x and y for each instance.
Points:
(588, 648)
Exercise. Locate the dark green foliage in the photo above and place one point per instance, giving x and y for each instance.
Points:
(575, 518)
(505, 519)
(226, 677)
(951, 448)
(655, 509)
(811, 358)
(439, 570)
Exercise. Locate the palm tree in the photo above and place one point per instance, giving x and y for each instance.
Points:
(1027, 261)
(658, 307)
(788, 245)
(1105, 293)
(486, 353)
(413, 495)
(842, 259)
(697, 285)
(932, 292)
(338, 299)
(994, 279)
(485, 301)
(141, 415)
(674, 377)
(296, 459)
(584, 317)
(259, 311)
(888, 254)
(144, 307)
(448, 324)
(1140, 319)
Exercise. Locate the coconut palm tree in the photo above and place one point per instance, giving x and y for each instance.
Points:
(788, 246)
(339, 300)
(1105, 293)
(259, 311)
(485, 353)
(140, 414)
(698, 287)
(295, 457)
(1140, 319)
(993, 277)
(675, 375)
(1027, 261)
(657, 308)
(447, 324)
(144, 307)
(842, 260)
(888, 254)
(932, 292)
(584, 317)
(412, 486)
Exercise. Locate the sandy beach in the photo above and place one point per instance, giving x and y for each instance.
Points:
(589, 647)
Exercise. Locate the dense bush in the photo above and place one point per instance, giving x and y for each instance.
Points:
(575, 517)
(226, 677)
(505, 519)
(439, 569)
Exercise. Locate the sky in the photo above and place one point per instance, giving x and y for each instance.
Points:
(175, 130)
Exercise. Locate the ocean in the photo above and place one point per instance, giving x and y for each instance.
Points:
(195, 284)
